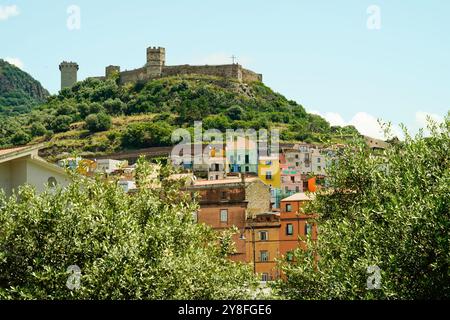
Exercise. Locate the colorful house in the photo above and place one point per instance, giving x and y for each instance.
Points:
(295, 225)
(269, 172)
(241, 155)
(262, 243)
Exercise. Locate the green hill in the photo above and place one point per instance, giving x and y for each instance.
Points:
(100, 117)
(19, 92)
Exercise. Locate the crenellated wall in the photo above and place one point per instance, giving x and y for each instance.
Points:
(133, 75)
(227, 71)
(155, 68)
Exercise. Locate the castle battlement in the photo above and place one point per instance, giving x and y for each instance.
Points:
(155, 67)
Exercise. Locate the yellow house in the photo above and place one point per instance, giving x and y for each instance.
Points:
(22, 165)
(269, 171)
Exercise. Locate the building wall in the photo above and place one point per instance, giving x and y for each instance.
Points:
(210, 215)
(38, 176)
(258, 198)
(5, 178)
(16, 173)
(271, 165)
(254, 246)
(298, 221)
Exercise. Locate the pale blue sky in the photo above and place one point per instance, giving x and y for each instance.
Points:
(319, 53)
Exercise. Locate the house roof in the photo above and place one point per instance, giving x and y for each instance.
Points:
(31, 152)
(301, 196)
(223, 181)
(17, 152)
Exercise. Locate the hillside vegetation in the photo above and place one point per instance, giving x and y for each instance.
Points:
(101, 117)
(19, 92)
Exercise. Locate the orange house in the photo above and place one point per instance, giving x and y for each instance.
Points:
(294, 224)
(263, 244)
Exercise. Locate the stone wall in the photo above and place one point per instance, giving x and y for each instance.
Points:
(133, 75)
(250, 76)
(227, 71)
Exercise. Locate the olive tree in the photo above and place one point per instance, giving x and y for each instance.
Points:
(383, 225)
(90, 240)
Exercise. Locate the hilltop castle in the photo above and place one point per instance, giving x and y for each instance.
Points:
(156, 68)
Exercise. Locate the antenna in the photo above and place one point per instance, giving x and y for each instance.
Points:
(233, 58)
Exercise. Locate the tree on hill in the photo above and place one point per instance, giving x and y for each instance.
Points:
(383, 227)
(19, 92)
(92, 241)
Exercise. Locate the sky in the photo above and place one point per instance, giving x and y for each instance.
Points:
(351, 61)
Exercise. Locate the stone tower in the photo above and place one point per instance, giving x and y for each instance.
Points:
(68, 74)
(111, 70)
(156, 59)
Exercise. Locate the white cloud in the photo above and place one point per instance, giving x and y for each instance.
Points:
(221, 58)
(15, 61)
(421, 118)
(335, 119)
(364, 122)
(367, 125)
(8, 11)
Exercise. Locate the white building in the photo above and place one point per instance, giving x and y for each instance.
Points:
(108, 166)
(22, 165)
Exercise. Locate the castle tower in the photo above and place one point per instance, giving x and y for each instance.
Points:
(111, 70)
(68, 74)
(156, 60)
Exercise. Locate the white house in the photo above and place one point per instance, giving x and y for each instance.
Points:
(109, 165)
(22, 165)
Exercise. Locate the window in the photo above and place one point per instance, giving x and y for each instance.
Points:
(269, 175)
(224, 215)
(288, 207)
(290, 256)
(223, 195)
(247, 169)
(289, 229)
(263, 235)
(247, 158)
(263, 256)
(318, 160)
(308, 229)
(297, 164)
(297, 189)
(296, 156)
(52, 182)
(264, 277)
(286, 189)
(292, 179)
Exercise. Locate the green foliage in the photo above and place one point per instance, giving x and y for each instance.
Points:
(141, 135)
(20, 138)
(144, 246)
(19, 92)
(61, 123)
(178, 102)
(235, 113)
(98, 122)
(388, 209)
(38, 129)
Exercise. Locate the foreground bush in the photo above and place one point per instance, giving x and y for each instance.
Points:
(144, 246)
(383, 227)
